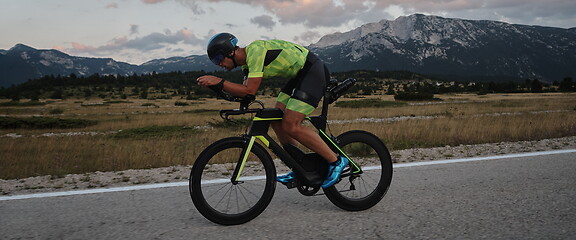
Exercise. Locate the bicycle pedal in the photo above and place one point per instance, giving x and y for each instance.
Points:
(290, 185)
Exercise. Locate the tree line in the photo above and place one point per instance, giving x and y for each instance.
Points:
(183, 85)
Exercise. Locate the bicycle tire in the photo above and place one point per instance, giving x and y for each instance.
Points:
(239, 203)
(359, 192)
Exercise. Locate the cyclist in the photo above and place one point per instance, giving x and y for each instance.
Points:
(263, 59)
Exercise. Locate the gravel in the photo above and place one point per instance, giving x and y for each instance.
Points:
(181, 173)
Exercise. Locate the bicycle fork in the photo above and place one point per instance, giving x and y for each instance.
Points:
(242, 161)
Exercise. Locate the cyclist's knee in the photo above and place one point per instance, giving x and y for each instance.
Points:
(292, 122)
(278, 128)
(280, 105)
(289, 128)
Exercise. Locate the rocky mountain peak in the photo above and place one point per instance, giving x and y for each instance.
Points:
(21, 48)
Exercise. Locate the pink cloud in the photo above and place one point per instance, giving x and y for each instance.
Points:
(314, 13)
(112, 5)
(146, 43)
(81, 47)
(152, 1)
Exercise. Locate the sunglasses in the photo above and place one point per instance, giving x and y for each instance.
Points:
(217, 59)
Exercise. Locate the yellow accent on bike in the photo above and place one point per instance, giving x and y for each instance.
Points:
(266, 119)
(264, 140)
(342, 153)
(245, 157)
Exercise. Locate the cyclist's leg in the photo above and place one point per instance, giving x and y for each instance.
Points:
(298, 98)
(292, 130)
(306, 91)
(303, 100)
(292, 126)
(283, 138)
(281, 102)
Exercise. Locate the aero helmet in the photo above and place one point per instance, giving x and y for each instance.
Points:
(220, 46)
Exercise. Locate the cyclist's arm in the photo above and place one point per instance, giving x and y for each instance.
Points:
(250, 85)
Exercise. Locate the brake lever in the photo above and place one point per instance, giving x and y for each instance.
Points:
(224, 116)
(244, 101)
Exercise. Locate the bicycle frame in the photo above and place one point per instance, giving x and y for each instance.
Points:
(261, 124)
(259, 130)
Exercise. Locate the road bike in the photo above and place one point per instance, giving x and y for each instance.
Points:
(234, 179)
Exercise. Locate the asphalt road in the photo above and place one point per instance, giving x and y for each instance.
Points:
(514, 198)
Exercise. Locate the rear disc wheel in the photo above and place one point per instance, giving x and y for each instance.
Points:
(362, 190)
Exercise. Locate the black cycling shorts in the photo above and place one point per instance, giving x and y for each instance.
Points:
(303, 92)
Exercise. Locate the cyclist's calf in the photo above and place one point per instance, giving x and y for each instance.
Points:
(291, 126)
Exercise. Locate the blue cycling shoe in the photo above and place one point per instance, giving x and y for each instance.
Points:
(286, 178)
(334, 171)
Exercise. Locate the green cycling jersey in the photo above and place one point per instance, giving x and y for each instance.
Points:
(274, 58)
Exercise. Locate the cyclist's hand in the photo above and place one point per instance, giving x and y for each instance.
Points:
(208, 80)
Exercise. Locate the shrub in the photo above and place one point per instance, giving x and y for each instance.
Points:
(117, 101)
(366, 103)
(43, 123)
(56, 111)
(232, 124)
(21, 104)
(155, 132)
(201, 111)
(150, 105)
(178, 103)
(191, 97)
(415, 96)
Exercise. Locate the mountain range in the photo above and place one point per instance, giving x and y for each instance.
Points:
(21, 62)
(419, 43)
(443, 46)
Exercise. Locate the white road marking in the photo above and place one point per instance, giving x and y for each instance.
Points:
(515, 155)
(181, 184)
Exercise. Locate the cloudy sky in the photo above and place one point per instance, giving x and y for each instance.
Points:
(136, 31)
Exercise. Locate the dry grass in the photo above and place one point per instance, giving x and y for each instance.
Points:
(469, 130)
(459, 119)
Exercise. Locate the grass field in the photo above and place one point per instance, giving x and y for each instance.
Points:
(95, 135)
